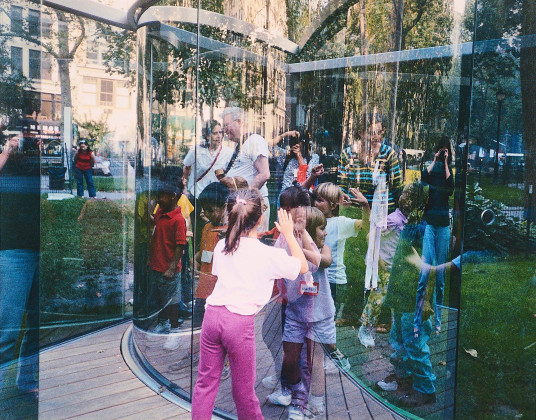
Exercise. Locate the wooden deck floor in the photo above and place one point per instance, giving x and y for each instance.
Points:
(344, 400)
(88, 379)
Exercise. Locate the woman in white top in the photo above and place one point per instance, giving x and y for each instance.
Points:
(246, 270)
(210, 156)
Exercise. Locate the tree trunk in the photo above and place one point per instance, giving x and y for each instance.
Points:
(65, 83)
(398, 14)
(528, 101)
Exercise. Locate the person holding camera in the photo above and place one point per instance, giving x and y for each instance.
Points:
(437, 233)
(19, 267)
(298, 161)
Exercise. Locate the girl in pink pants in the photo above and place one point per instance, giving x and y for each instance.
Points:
(246, 269)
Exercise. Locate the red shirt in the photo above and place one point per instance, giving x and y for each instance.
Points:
(169, 231)
(83, 161)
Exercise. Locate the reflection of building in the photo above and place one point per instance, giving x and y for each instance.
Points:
(96, 95)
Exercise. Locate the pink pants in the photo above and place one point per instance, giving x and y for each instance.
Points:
(224, 332)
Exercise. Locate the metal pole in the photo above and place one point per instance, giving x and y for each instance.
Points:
(496, 168)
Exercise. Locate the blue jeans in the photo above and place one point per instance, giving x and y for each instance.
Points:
(88, 175)
(19, 293)
(411, 357)
(435, 250)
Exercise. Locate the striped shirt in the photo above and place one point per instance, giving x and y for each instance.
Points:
(357, 174)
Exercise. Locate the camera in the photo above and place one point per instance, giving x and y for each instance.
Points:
(442, 154)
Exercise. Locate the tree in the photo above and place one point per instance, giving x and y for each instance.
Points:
(62, 37)
(528, 95)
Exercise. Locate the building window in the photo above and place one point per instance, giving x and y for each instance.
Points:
(16, 19)
(35, 64)
(16, 60)
(106, 92)
(34, 22)
(47, 29)
(46, 67)
(89, 91)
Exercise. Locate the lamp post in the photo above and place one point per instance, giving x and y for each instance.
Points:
(500, 99)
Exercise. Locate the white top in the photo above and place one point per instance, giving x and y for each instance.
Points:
(244, 164)
(246, 277)
(204, 160)
(338, 229)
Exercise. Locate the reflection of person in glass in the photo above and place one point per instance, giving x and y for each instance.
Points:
(245, 268)
(413, 375)
(377, 175)
(299, 309)
(389, 240)
(167, 246)
(251, 156)
(298, 162)
(84, 161)
(328, 198)
(213, 155)
(19, 265)
(437, 234)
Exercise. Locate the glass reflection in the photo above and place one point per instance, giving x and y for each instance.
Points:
(371, 115)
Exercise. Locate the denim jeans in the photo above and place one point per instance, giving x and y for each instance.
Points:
(435, 250)
(88, 175)
(19, 293)
(412, 355)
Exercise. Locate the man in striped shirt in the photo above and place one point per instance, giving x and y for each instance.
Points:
(357, 172)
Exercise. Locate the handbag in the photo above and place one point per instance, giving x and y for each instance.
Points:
(205, 285)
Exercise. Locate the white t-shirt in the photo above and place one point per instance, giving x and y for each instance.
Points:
(246, 277)
(244, 164)
(338, 229)
(204, 160)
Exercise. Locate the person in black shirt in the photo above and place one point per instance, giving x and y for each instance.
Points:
(19, 263)
(437, 233)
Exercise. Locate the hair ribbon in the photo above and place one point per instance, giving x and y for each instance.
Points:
(241, 201)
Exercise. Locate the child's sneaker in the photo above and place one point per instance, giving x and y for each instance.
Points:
(295, 413)
(280, 396)
(163, 327)
(226, 372)
(270, 382)
(174, 340)
(365, 336)
(340, 359)
(315, 407)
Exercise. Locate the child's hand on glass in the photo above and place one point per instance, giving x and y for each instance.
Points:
(357, 197)
(285, 224)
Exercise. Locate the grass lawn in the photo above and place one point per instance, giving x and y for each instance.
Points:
(509, 196)
(82, 260)
(497, 318)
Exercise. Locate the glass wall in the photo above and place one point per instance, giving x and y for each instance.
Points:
(66, 263)
(399, 118)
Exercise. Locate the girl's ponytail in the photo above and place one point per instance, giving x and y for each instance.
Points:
(244, 209)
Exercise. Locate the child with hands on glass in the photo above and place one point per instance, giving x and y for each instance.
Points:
(246, 269)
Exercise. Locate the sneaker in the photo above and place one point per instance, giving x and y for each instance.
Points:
(163, 327)
(340, 359)
(393, 382)
(280, 396)
(416, 399)
(270, 382)
(173, 341)
(295, 413)
(365, 336)
(315, 407)
(226, 372)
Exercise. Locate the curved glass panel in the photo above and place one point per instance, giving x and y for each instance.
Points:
(383, 112)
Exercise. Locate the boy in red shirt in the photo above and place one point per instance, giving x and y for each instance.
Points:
(167, 246)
